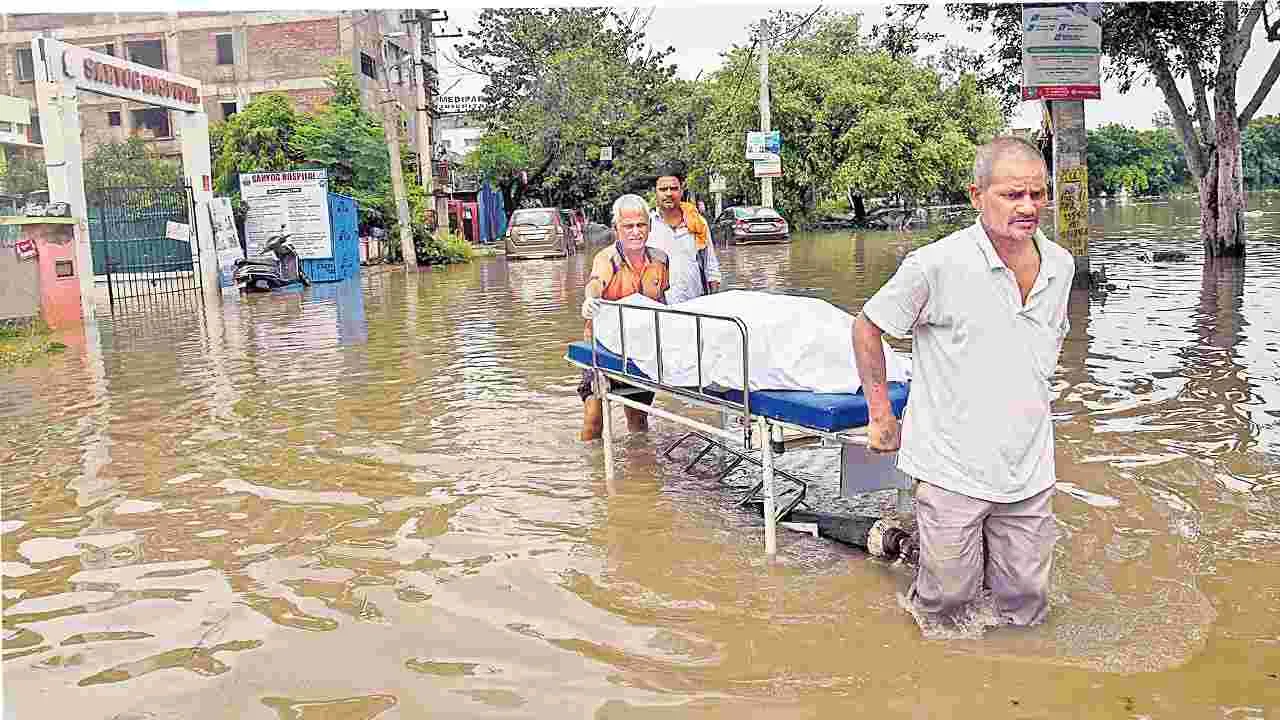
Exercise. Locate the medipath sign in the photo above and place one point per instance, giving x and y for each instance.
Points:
(1061, 52)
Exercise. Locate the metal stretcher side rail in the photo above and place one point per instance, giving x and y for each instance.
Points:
(832, 418)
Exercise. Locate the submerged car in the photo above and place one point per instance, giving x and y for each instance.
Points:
(538, 232)
(750, 224)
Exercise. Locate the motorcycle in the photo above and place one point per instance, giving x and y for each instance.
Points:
(277, 266)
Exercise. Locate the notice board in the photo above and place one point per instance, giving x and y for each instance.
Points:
(292, 201)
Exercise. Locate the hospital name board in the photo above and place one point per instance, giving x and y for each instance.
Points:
(106, 75)
(135, 80)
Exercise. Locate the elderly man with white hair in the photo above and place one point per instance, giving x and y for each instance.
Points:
(624, 268)
(986, 308)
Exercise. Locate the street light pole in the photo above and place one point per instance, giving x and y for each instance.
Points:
(426, 173)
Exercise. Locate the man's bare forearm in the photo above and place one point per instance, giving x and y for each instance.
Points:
(868, 351)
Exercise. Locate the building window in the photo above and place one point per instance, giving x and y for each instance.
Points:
(34, 134)
(367, 65)
(6, 126)
(153, 120)
(108, 49)
(146, 52)
(113, 118)
(226, 52)
(228, 109)
(26, 68)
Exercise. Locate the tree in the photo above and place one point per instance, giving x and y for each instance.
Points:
(1262, 153)
(256, 139)
(131, 163)
(23, 173)
(853, 119)
(1205, 43)
(564, 82)
(350, 145)
(1139, 161)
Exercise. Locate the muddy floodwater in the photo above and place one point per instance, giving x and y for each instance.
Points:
(368, 500)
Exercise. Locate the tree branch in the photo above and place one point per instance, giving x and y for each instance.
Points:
(1198, 91)
(1196, 154)
(1245, 37)
(1268, 81)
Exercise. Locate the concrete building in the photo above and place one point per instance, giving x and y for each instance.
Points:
(237, 56)
(457, 134)
(17, 136)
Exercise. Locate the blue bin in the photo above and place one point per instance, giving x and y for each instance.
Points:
(344, 224)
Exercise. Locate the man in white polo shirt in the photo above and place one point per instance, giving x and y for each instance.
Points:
(679, 230)
(986, 308)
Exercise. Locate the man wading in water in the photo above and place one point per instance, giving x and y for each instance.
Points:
(987, 310)
(679, 230)
(624, 268)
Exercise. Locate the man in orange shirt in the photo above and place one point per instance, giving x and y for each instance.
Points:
(624, 268)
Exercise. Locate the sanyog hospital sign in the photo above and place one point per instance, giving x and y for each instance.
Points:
(107, 75)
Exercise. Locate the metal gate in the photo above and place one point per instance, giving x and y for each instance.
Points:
(130, 244)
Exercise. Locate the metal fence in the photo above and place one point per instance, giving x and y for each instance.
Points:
(130, 245)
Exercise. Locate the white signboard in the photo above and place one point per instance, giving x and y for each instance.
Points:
(763, 145)
(771, 168)
(112, 76)
(1061, 53)
(717, 183)
(177, 231)
(226, 241)
(606, 154)
(294, 202)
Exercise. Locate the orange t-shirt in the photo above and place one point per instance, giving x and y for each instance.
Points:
(619, 279)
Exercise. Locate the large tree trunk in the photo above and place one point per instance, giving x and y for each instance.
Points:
(1209, 205)
(1227, 240)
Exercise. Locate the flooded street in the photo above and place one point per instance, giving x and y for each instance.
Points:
(368, 500)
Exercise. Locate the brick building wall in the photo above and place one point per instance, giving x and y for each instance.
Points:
(288, 52)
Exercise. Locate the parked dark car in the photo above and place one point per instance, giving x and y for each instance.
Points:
(750, 224)
(538, 232)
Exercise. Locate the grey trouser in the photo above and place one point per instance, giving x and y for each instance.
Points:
(1019, 539)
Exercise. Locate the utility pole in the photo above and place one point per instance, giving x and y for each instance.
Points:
(426, 174)
(391, 128)
(766, 183)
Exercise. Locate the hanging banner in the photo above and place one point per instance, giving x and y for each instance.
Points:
(226, 241)
(1061, 52)
(294, 202)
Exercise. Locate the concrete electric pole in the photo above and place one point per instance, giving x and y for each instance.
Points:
(391, 128)
(766, 183)
(426, 174)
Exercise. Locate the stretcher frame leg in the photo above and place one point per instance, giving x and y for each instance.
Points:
(770, 518)
(606, 409)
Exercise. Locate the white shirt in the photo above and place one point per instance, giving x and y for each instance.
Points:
(978, 421)
(681, 247)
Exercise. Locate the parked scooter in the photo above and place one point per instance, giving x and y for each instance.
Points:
(277, 266)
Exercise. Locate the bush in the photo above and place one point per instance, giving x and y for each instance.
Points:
(443, 248)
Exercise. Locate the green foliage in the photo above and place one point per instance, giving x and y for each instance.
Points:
(131, 163)
(21, 343)
(1139, 161)
(852, 117)
(349, 143)
(442, 248)
(562, 83)
(22, 173)
(256, 139)
(1261, 148)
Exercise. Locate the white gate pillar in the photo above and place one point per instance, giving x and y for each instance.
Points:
(59, 107)
(198, 169)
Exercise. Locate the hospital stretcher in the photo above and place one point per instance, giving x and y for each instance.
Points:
(763, 422)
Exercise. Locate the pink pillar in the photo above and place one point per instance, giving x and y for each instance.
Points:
(59, 276)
